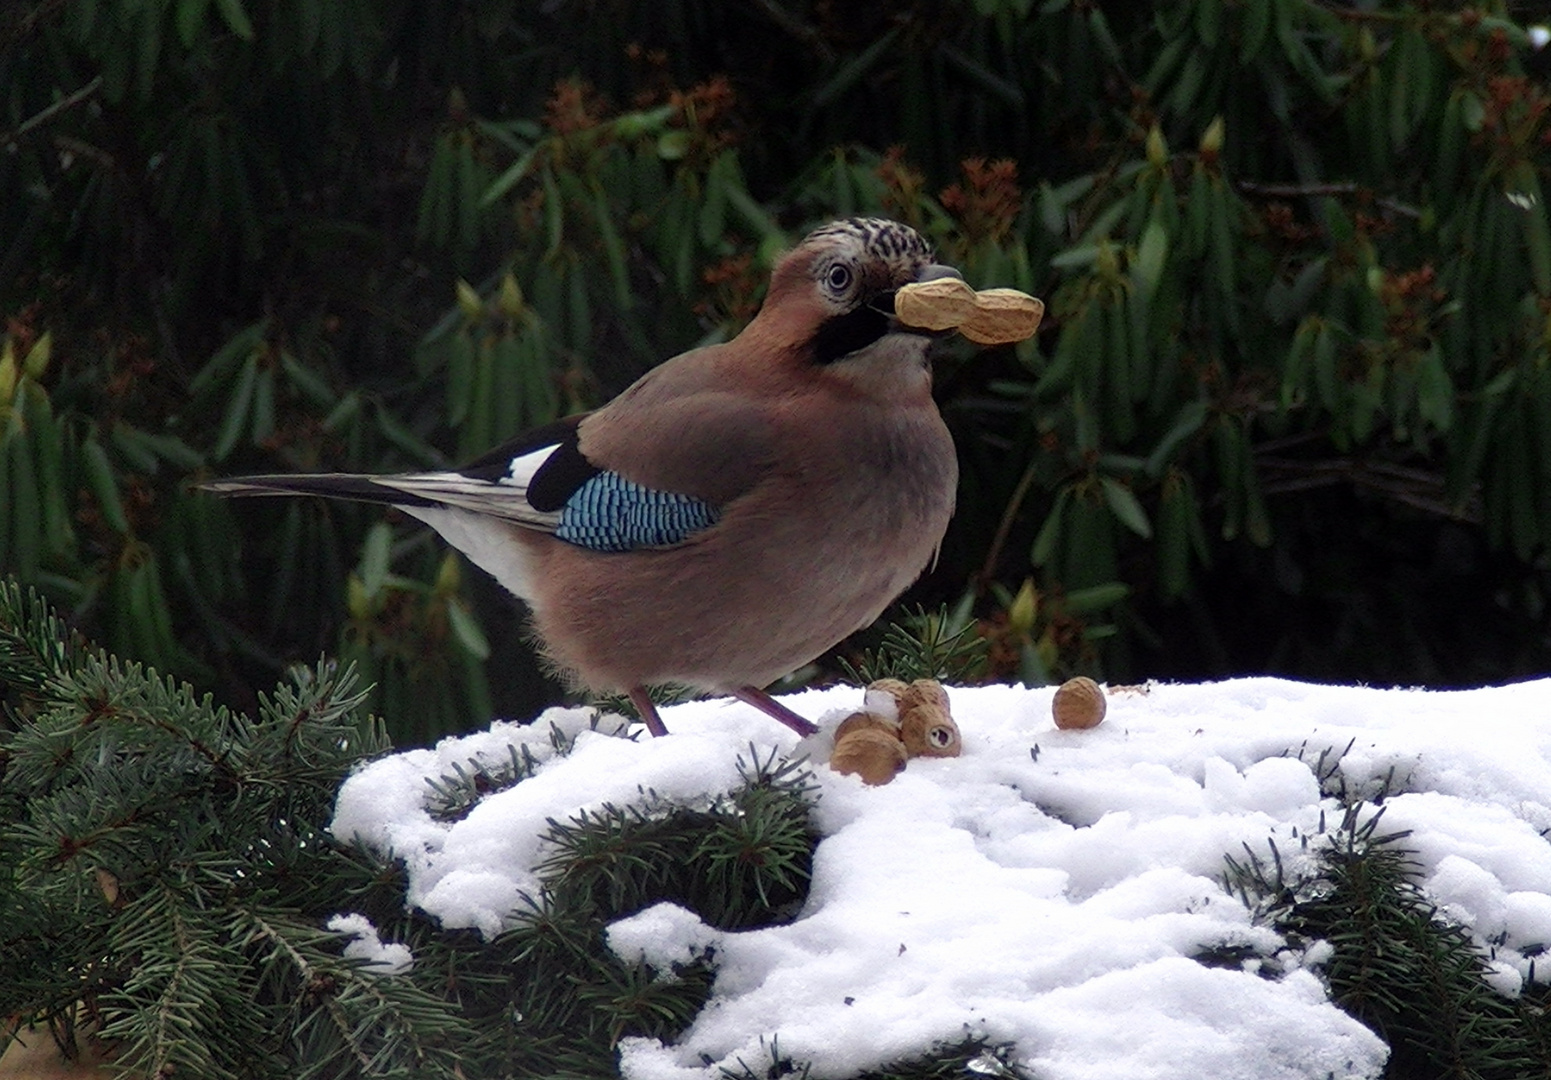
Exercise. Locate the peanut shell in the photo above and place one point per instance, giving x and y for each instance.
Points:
(875, 756)
(1079, 703)
(934, 305)
(928, 692)
(1002, 316)
(928, 731)
(858, 721)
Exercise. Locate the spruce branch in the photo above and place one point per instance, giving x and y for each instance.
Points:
(922, 645)
(35, 644)
(152, 831)
(456, 793)
(548, 996)
(347, 1015)
(761, 841)
(636, 1000)
(742, 860)
(1397, 965)
(971, 1056)
(175, 992)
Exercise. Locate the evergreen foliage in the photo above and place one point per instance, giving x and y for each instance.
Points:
(971, 1057)
(941, 645)
(165, 867)
(751, 846)
(167, 876)
(167, 881)
(1396, 964)
(549, 997)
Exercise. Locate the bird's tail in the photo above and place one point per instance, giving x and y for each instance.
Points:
(487, 539)
(353, 486)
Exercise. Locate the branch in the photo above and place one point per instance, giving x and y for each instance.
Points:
(1300, 191)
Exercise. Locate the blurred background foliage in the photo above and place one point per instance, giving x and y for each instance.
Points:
(1290, 410)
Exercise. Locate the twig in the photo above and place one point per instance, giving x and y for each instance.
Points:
(28, 23)
(1416, 488)
(1344, 11)
(798, 29)
(1302, 191)
(46, 114)
(1004, 526)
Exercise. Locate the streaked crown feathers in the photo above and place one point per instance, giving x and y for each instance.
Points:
(876, 237)
(850, 261)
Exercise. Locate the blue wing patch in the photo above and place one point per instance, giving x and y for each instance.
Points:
(610, 513)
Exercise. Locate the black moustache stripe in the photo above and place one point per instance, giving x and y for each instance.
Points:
(841, 335)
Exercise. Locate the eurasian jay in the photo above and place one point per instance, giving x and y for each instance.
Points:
(737, 510)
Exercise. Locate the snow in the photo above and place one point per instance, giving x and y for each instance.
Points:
(365, 945)
(1047, 889)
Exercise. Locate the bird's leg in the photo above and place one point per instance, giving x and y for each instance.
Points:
(643, 705)
(768, 705)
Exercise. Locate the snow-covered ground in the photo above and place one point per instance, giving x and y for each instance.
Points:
(1051, 899)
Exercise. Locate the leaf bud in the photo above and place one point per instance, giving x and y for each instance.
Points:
(510, 298)
(469, 301)
(1211, 138)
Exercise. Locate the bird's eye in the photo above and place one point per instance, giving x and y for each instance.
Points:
(838, 278)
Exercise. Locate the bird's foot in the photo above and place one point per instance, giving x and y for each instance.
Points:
(768, 705)
(643, 705)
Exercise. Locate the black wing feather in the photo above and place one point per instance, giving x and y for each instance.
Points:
(563, 472)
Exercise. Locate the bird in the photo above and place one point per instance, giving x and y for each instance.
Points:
(737, 510)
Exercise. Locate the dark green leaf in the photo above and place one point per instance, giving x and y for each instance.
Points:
(236, 18)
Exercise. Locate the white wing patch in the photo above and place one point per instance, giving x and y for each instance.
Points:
(521, 473)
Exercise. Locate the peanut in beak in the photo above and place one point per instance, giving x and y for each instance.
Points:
(988, 317)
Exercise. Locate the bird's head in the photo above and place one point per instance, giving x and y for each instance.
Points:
(831, 297)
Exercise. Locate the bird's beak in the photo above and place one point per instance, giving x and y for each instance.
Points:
(936, 272)
(930, 272)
